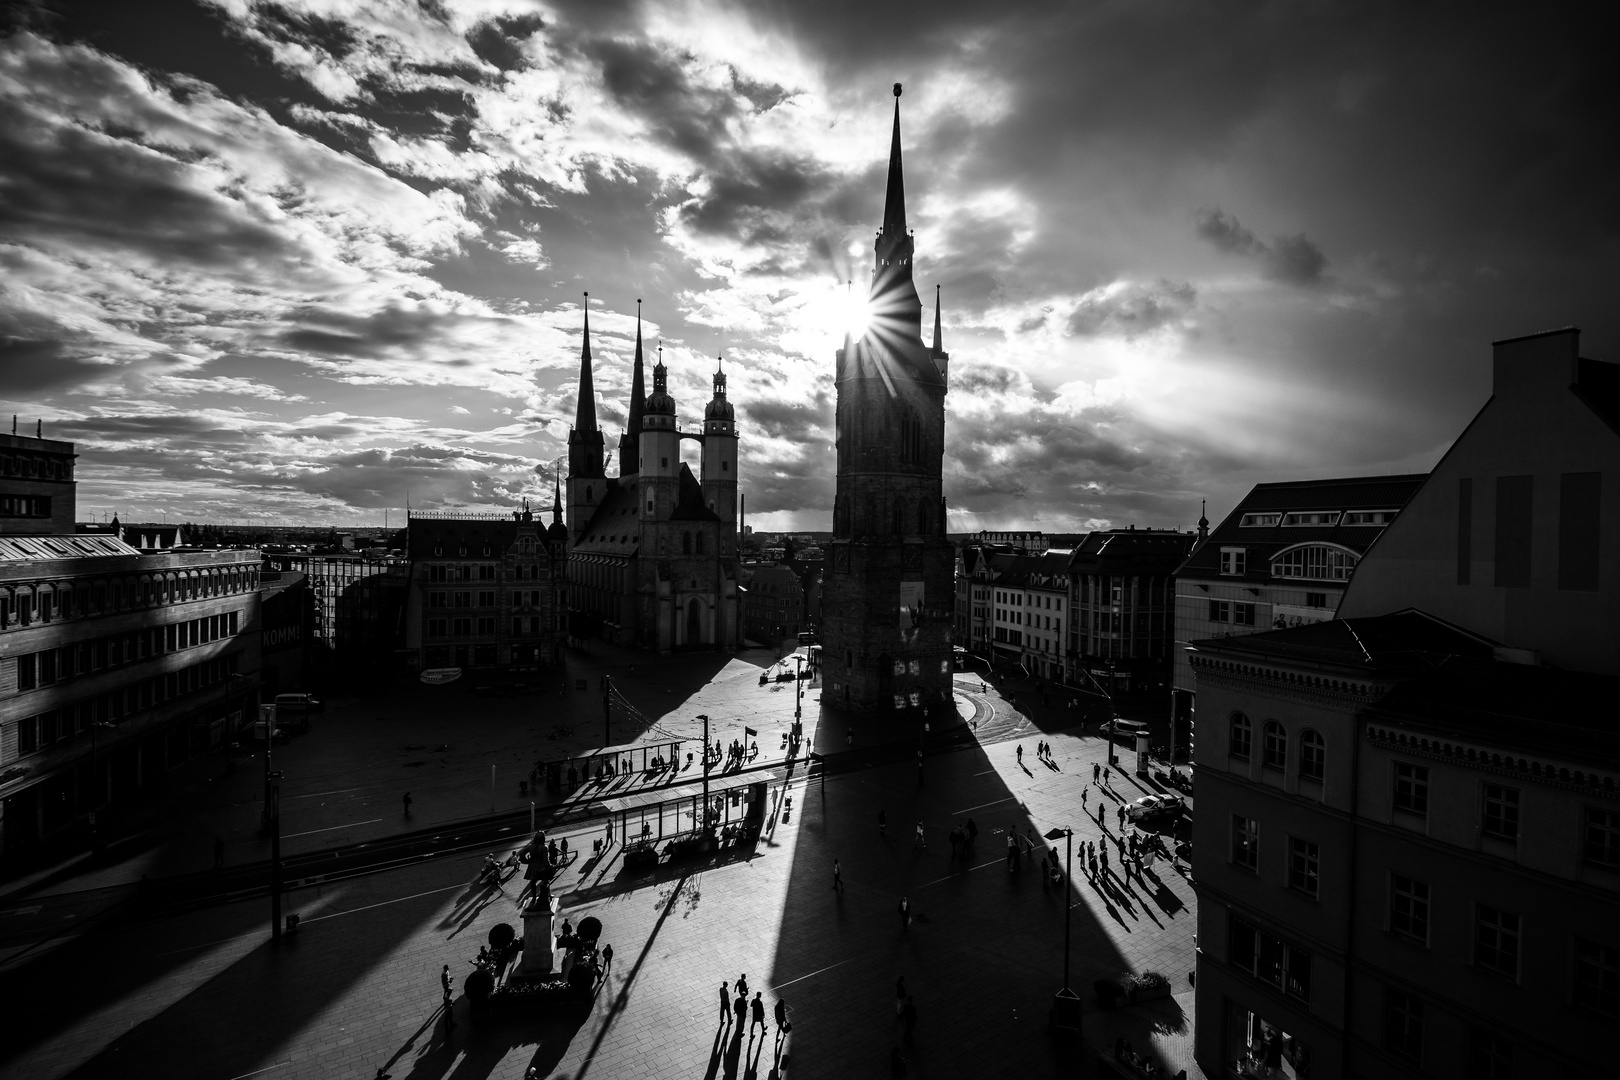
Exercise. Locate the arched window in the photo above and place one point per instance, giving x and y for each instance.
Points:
(1241, 736)
(1274, 748)
(1312, 756)
(923, 515)
(686, 543)
(1314, 562)
(898, 522)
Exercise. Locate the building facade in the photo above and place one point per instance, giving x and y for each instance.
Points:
(115, 666)
(889, 586)
(356, 613)
(1281, 558)
(1513, 534)
(653, 552)
(1121, 628)
(773, 604)
(486, 592)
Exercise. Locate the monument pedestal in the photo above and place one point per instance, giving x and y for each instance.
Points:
(539, 934)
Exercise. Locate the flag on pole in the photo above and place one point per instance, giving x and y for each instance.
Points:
(749, 731)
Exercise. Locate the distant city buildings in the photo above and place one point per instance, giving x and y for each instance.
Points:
(1407, 838)
(773, 604)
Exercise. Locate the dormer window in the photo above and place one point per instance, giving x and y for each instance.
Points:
(1234, 561)
(1314, 562)
(1368, 517)
(1310, 519)
(1259, 521)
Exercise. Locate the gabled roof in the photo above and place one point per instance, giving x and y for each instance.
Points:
(689, 504)
(1303, 496)
(615, 528)
(1131, 551)
(1599, 388)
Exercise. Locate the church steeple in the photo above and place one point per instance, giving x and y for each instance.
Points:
(894, 202)
(630, 441)
(939, 339)
(585, 447)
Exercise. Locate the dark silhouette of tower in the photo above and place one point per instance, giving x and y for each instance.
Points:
(888, 592)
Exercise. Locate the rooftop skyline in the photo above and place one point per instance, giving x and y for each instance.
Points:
(294, 261)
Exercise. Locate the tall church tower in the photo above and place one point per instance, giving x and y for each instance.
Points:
(720, 459)
(660, 465)
(586, 471)
(630, 441)
(889, 590)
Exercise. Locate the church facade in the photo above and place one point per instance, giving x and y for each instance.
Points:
(653, 551)
(889, 588)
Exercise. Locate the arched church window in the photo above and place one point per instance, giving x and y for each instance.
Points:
(841, 515)
(869, 522)
(905, 436)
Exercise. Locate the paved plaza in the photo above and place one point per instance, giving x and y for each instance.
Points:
(356, 989)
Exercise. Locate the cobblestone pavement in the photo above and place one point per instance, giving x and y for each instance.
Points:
(357, 987)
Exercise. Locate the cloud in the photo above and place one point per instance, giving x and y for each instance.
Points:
(1292, 260)
(1129, 309)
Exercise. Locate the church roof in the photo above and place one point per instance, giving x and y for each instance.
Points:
(689, 505)
(615, 528)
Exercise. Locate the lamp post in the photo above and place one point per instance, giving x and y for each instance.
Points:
(1065, 1003)
(704, 822)
(272, 820)
(798, 687)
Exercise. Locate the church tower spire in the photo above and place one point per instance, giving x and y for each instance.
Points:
(585, 410)
(896, 309)
(630, 441)
(894, 201)
(586, 467)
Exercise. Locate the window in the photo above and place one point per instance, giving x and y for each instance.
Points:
(486, 624)
(1602, 844)
(1232, 561)
(1220, 611)
(1501, 818)
(1403, 1025)
(1597, 970)
(1496, 940)
(1312, 756)
(1242, 614)
(1312, 519)
(1514, 505)
(1490, 1056)
(461, 599)
(1246, 843)
(486, 598)
(1259, 521)
(1314, 562)
(26, 679)
(436, 628)
(1274, 746)
(461, 627)
(1411, 787)
(1409, 908)
(1316, 599)
(1368, 517)
(1241, 736)
(1270, 958)
(1304, 866)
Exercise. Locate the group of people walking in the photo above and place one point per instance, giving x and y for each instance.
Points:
(743, 1008)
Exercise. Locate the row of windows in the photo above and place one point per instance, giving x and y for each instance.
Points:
(88, 657)
(77, 719)
(1283, 965)
(98, 596)
(39, 466)
(1050, 603)
(463, 627)
(1311, 562)
(26, 506)
(1271, 519)
(1274, 747)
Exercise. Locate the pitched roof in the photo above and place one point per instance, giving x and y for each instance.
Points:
(1134, 551)
(1598, 384)
(615, 528)
(1261, 542)
(689, 504)
(1383, 644)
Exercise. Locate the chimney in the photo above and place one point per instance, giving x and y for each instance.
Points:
(1548, 360)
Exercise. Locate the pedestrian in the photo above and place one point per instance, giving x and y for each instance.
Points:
(781, 1017)
(910, 1016)
(1096, 769)
(905, 913)
(972, 831)
(919, 842)
(1105, 776)
(742, 988)
(838, 877)
(741, 1010)
(1012, 853)
(759, 1014)
(1083, 793)
(1102, 858)
(564, 848)
(448, 982)
(608, 842)
(607, 957)
(725, 1004)
(956, 840)
(1120, 810)
(899, 996)
(883, 823)
(1101, 807)
(1020, 753)
(407, 801)
(219, 853)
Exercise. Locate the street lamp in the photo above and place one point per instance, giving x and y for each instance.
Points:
(1066, 1003)
(704, 823)
(272, 820)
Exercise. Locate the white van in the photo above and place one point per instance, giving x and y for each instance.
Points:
(295, 710)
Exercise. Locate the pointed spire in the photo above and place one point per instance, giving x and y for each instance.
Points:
(939, 340)
(585, 411)
(894, 203)
(638, 382)
(556, 495)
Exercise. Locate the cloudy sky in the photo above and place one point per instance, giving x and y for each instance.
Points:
(294, 261)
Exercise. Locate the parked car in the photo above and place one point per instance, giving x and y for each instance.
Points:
(294, 711)
(1124, 729)
(1156, 807)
